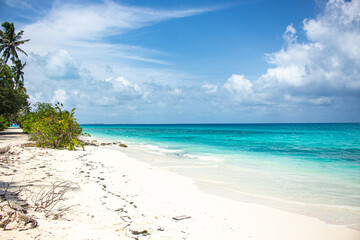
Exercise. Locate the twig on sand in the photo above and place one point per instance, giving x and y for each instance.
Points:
(182, 217)
(48, 200)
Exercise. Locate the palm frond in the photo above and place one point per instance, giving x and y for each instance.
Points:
(18, 36)
(2, 34)
(5, 41)
(6, 58)
(6, 53)
(14, 53)
(9, 42)
(22, 51)
(21, 42)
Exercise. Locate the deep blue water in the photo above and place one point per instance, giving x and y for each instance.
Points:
(308, 163)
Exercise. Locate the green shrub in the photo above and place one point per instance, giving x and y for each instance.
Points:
(52, 127)
(3, 123)
(27, 122)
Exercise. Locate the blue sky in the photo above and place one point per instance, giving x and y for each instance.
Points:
(193, 61)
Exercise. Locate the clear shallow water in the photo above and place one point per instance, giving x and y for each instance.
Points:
(308, 168)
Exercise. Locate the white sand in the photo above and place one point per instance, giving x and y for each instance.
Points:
(120, 197)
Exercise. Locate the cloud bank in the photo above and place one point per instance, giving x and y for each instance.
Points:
(73, 59)
(320, 71)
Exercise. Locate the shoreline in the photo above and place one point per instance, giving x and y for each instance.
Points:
(122, 197)
(214, 180)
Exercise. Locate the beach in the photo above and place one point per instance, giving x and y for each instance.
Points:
(118, 196)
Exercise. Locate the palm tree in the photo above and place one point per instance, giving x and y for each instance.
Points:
(18, 73)
(9, 42)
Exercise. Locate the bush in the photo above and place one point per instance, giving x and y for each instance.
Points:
(27, 122)
(52, 127)
(3, 123)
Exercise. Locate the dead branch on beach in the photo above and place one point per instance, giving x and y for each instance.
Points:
(14, 208)
(48, 200)
(12, 214)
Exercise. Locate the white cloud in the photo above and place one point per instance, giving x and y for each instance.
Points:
(239, 87)
(59, 96)
(286, 75)
(87, 26)
(60, 65)
(319, 71)
(289, 34)
(72, 50)
(18, 3)
(121, 83)
(73, 59)
(210, 89)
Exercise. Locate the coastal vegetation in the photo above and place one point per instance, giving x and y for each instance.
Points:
(48, 125)
(51, 126)
(13, 96)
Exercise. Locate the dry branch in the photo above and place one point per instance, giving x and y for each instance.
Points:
(48, 201)
(12, 216)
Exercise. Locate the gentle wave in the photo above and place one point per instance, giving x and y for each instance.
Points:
(159, 150)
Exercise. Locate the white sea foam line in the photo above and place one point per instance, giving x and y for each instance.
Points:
(157, 150)
(161, 149)
(165, 151)
(179, 166)
(296, 202)
(204, 158)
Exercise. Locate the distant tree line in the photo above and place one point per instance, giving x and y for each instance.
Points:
(48, 125)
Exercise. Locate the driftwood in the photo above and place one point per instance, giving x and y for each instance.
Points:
(182, 217)
(13, 219)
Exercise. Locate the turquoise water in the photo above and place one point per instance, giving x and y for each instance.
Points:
(309, 168)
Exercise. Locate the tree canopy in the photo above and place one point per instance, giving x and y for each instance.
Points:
(10, 42)
(13, 97)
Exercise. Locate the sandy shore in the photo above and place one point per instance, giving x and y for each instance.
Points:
(119, 197)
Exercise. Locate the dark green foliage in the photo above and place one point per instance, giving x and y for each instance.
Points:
(27, 121)
(13, 97)
(52, 127)
(3, 123)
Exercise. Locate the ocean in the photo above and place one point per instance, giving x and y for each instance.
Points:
(312, 169)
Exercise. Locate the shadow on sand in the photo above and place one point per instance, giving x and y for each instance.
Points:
(11, 133)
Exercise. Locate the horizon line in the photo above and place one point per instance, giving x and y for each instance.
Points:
(232, 123)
